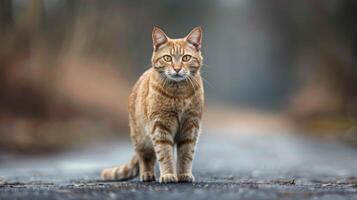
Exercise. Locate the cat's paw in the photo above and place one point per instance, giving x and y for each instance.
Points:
(147, 176)
(168, 178)
(187, 177)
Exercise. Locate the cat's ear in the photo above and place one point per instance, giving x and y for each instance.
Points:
(195, 37)
(158, 38)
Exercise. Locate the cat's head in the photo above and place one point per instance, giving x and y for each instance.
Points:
(177, 59)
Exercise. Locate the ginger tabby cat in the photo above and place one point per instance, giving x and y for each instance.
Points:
(165, 110)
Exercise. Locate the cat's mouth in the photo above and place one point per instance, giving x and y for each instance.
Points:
(176, 77)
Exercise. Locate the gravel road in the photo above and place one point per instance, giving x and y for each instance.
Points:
(227, 166)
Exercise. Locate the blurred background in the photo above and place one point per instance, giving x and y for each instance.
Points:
(67, 67)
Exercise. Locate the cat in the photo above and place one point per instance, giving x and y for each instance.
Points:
(165, 110)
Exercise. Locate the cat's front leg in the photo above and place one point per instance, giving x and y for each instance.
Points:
(186, 146)
(163, 141)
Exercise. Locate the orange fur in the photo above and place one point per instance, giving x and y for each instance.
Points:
(165, 109)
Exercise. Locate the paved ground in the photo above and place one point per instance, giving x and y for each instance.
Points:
(248, 166)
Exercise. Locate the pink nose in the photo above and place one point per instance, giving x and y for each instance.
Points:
(177, 69)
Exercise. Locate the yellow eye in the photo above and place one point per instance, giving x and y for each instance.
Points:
(167, 58)
(186, 58)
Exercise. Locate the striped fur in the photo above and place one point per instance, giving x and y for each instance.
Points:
(124, 172)
(165, 110)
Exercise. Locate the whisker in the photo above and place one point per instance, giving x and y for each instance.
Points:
(204, 64)
(209, 84)
(205, 71)
(161, 81)
(187, 80)
(195, 81)
(190, 81)
(165, 81)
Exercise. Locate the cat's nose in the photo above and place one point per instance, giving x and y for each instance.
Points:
(177, 69)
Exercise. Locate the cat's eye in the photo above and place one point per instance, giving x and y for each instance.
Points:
(167, 58)
(186, 58)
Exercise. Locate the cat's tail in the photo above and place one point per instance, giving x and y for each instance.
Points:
(124, 172)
